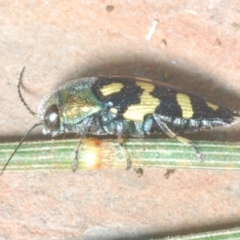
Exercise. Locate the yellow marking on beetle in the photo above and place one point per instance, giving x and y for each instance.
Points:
(147, 105)
(212, 106)
(113, 110)
(147, 87)
(111, 88)
(184, 102)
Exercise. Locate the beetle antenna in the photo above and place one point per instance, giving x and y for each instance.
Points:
(20, 94)
(19, 144)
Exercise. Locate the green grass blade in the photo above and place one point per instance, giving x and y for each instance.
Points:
(107, 153)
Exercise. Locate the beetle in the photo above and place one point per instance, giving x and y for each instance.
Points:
(125, 106)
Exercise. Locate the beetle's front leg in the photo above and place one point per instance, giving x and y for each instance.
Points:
(77, 151)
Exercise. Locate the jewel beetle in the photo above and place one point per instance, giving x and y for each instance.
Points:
(125, 106)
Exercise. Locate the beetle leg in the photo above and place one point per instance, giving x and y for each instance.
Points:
(171, 134)
(125, 152)
(119, 129)
(80, 143)
(76, 151)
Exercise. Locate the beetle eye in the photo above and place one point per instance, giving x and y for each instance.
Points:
(51, 118)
